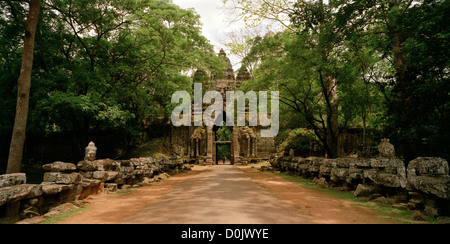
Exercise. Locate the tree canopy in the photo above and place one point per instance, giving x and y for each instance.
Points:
(379, 65)
(100, 64)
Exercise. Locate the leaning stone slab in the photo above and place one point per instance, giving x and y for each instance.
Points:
(19, 192)
(389, 180)
(90, 183)
(438, 186)
(12, 179)
(59, 167)
(51, 189)
(364, 190)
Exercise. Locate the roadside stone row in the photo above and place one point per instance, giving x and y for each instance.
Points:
(67, 182)
(423, 186)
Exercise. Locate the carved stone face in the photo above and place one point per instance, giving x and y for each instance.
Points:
(386, 149)
(90, 152)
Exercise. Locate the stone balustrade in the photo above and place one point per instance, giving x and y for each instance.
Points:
(424, 185)
(67, 182)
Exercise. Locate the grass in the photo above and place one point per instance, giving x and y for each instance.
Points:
(387, 212)
(64, 216)
(264, 163)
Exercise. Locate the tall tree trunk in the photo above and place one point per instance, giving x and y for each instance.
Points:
(403, 97)
(332, 118)
(23, 94)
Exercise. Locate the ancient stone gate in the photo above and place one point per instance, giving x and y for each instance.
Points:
(199, 144)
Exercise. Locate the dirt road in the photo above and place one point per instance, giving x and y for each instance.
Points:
(224, 195)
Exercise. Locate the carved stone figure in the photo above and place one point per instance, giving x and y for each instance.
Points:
(90, 152)
(386, 149)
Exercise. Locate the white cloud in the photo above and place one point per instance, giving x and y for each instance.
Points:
(215, 23)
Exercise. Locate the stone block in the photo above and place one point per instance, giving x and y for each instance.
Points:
(322, 182)
(12, 179)
(342, 162)
(362, 162)
(428, 166)
(61, 178)
(389, 180)
(438, 186)
(339, 173)
(355, 176)
(51, 189)
(353, 170)
(370, 174)
(99, 175)
(325, 170)
(385, 162)
(313, 168)
(297, 159)
(90, 183)
(111, 187)
(100, 165)
(19, 192)
(390, 170)
(59, 167)
(364, 190)
(111, 175)
(90, 166)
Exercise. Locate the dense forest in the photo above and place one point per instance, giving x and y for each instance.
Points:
(381, 66)
(102, 68)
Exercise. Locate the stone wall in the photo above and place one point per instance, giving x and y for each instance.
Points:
(424, 186)
(66, 182)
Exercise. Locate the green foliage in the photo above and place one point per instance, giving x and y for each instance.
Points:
(414, 37)
(101, 64)
(223, 134)
(303, 141)
(390, 61)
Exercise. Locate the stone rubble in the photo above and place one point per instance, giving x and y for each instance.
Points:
(66, 182)
(424, 186)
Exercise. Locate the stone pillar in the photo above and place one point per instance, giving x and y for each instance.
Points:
(256, 147)
(249, 144)
(236, 148)
(197, 147)
(209, 146)
(253, 147)
(189, 149)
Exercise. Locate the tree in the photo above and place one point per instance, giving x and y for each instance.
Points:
(23, 95)
(413, 36)
(317, 63)
(102, 65)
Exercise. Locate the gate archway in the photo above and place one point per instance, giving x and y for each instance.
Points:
(223, 145)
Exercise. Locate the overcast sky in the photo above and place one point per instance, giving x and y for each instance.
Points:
(215, 23)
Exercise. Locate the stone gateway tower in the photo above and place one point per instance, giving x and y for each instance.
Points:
(211, 145)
